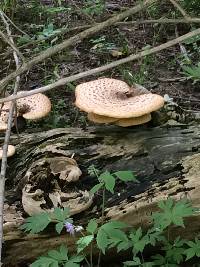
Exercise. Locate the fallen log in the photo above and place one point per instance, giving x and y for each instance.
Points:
(165, 160)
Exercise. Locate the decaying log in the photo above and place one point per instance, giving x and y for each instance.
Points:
(165, 160)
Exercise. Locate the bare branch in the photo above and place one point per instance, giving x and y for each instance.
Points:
(123, 23)
(114, 64)
(74, 40)
(160, 21)
(8, 131)
(13, 24)
(6, 40)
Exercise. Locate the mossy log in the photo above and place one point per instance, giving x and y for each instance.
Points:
(165, 160)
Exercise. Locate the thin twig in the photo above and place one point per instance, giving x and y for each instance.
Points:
(103, 68)
(181, 10)
(7, 136)
(74, 40)
(13, 24)
(6, 40)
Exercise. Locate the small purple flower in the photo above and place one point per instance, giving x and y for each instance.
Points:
(70, 228)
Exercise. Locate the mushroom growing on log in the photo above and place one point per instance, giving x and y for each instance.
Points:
(113, 101)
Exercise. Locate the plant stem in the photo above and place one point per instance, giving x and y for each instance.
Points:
(85, 258)
(91, 252)
(102, 221)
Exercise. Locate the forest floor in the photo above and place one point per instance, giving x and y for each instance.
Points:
(161, 73)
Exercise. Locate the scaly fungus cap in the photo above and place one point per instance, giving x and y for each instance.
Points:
(34, 107)
(114, 98)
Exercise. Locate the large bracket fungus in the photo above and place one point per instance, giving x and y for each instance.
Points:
(54, 182)
(113, 101)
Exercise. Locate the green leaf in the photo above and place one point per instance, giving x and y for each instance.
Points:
(36, 223)
(172, 213)
(159, 260)
(138, 240)
(92, 226)
(60, 214)
(83, 242)
(125, 176)
(109, 235)
(71, 264)
(108, 180)
(117, 234)
(45, 262)
(123, 246)
(64, 252)
(114, 224)
(59, 227)
(190, 253)
(77, 258)
(135, 262)
(96, 188)
(102, 240)
(54, 254)
(194, 249)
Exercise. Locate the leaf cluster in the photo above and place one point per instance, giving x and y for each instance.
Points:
(116, 234)
(108, 180)
(37, 223)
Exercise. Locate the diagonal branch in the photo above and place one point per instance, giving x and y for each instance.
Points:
(66, 30)
(114, 64)
(12, 23)
(74, 40)
(181, 10)
(11, 44)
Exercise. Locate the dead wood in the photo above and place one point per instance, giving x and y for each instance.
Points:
(165, 160)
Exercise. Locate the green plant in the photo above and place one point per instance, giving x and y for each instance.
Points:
(100, 44)
(93, 7)
(191, 6)
(39, 222)
(120, 235)
(141, 75)
(8, 6)
(192, 72)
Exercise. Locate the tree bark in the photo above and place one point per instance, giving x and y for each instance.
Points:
(166, 161)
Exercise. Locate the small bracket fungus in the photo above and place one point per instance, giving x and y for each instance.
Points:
(52, 183)
(34, 107)
(67, 169)
(10, 152)
(111, 101)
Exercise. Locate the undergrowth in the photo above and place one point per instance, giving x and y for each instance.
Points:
(119, 235)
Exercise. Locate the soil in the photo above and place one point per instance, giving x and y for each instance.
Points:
(160, 73)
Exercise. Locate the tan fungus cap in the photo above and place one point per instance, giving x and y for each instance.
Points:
(34, 107)
(133, 121)
(100, 119)
(10, 153)
(113, 98)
